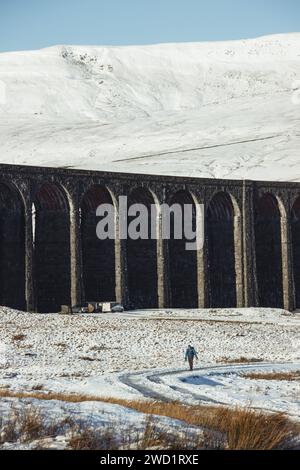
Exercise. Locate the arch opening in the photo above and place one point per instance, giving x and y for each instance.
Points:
(268, 252)
(142, 256)
(98, 256)
(295, 233)
(221, 252)
(52, 265)
(12, 248)
(182, 262)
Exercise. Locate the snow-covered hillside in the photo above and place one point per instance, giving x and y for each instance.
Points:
(224, 109)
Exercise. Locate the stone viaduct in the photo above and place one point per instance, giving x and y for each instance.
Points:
(50, 255)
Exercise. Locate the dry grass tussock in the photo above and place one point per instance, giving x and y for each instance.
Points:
(151, 436)
(239, 360)
(232, 428)
(242, 428)
(19, 337)
(28, 424)
(293, 375)
(88, 358)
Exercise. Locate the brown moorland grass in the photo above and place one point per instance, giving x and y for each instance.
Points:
(239, 360)
(19, 337)
(28, 424)
(86, 438)
(151, 436)
(293, 375)
(243, 428)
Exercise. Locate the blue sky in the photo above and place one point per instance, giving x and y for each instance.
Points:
(32, 24)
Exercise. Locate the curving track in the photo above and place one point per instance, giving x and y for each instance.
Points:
(159, 384)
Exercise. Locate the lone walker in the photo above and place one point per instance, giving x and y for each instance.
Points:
(190, 355)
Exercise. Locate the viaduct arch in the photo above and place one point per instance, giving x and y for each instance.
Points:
(51, 242)
(12, 247)
(98, 256)
(220, 219)
(268, 245)
(182, 263)
(141, 254)
(295, 235)
(49, 254)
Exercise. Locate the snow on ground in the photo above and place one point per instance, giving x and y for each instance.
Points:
(227, 385)
(92, 414)
(140, 355)
(89, 354)
(223, 109)
(65, 346)
(248, 315)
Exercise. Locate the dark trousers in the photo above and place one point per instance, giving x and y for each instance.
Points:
(191, 362)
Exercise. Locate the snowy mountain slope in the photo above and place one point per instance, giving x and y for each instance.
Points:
(225, 109)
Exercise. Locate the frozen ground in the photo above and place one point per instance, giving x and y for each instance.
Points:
(95, 415)
(140, 355)
(224, 109)
(226, 385)
(62, 347)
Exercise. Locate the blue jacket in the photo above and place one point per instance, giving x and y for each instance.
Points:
(191, 353)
